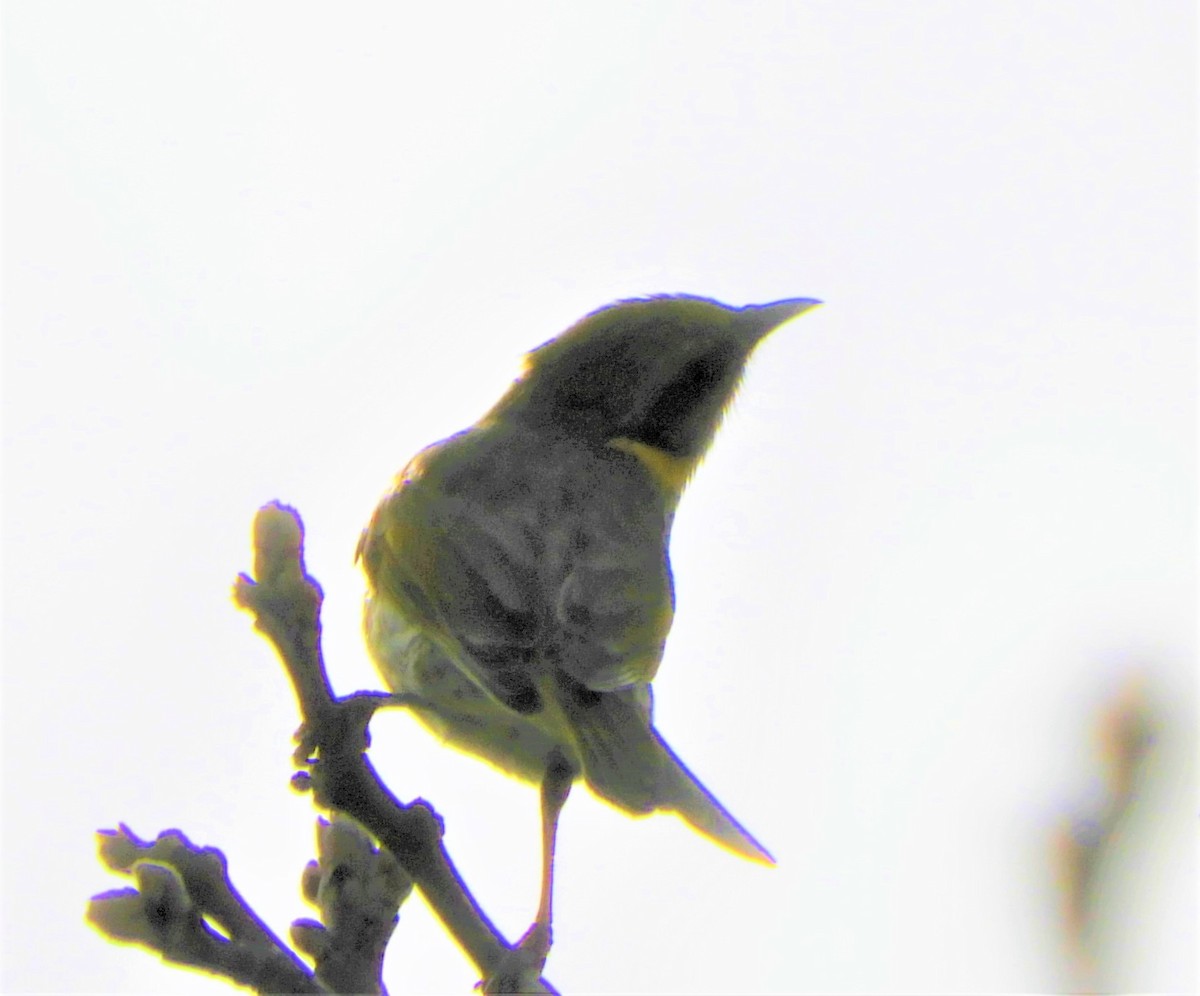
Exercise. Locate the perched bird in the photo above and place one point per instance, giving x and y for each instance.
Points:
(520, 589)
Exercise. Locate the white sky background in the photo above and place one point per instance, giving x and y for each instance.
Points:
(259, 251)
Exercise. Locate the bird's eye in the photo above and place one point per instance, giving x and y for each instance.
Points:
(670, 422)
(695, 381)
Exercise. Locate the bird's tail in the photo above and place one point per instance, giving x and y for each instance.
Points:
(626, 762)
(690, 799)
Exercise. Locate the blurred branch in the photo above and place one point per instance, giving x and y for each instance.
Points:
(1082, 844)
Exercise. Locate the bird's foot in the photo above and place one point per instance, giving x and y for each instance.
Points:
(520, 970)
(343, 719)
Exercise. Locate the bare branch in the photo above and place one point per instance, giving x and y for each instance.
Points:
(286, 604)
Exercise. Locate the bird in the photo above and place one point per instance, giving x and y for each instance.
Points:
(519, 587)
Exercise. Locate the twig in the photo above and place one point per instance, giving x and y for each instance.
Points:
(181, 890)
(286, 604)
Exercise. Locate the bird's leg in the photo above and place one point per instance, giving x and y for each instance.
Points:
(522, 966)
(556, 786)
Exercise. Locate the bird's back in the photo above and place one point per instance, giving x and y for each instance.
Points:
(552, 581)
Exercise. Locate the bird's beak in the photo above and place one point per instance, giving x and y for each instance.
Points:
(757, 320)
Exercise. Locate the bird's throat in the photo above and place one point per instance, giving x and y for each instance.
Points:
(670, 472)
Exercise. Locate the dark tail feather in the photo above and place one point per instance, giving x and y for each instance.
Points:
(690, 799)
(629, 764)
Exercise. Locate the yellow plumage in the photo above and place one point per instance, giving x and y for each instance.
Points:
(520, 587)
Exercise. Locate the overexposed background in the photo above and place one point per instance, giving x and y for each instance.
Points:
(269, 250)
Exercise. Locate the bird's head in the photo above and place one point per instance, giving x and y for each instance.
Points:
(657, 372)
